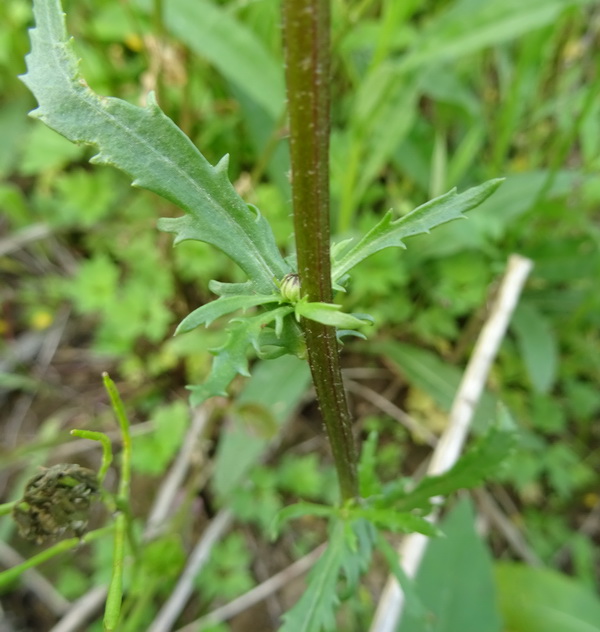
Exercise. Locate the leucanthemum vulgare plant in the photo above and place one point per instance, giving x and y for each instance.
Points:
(286, 305)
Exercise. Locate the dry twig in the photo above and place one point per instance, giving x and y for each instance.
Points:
(258, 593)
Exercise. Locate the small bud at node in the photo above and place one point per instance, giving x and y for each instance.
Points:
(290, 288)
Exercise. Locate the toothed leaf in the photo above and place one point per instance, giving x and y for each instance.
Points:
(349, 551)
(485, 458)
(151, 149)
(208, 313)
(390, 232)
(231, 357)
(360, 538)
(315, 610)
(392, 520)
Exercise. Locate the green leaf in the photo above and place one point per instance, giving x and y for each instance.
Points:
(151, 149)
(543, 600)
(206, 314)
(368, 482)
(413, 605)
(297, 510)
(455, 581)
(213, 32)
(229, 289)
(390, 519)
(482, 460)
(389, 232)
(470, 25)
(329, 314)
(538, 346)
(231, 357)
(349, 552)
(383, 112)
(360, 538)
(315, 610)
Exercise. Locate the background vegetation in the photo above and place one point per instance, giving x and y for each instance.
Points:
(426, 96)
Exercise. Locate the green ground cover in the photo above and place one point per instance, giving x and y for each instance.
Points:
(427, 96)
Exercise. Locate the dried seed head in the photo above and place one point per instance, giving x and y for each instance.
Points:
(56, 501)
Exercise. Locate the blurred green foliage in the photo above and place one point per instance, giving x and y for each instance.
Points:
(426, 96)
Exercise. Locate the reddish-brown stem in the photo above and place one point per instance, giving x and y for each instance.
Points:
(308, 55)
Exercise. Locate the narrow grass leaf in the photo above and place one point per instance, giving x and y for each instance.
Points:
(413, 605)
(470, 25)
(213, 32)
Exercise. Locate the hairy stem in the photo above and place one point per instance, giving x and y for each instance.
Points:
(308, 57)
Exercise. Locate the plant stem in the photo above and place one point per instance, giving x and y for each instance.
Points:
(8, 576)
(122, 523)
(308, 58)
(107, 455)
(7, 508)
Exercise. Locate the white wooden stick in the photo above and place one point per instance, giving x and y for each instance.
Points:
(448, 449)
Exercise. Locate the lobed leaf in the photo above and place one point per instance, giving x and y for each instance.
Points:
(315, 610)
(208, 313)
(349, 553)
(360, 538)
(151, 149)
(390, 519)
(482, 460)
(231, 358)
(390, 232)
